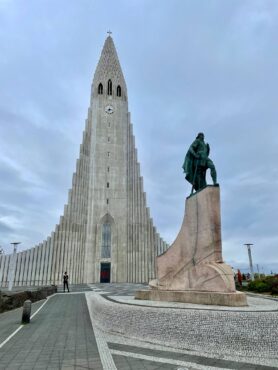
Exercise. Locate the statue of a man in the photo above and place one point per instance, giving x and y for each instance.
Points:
(197, 162)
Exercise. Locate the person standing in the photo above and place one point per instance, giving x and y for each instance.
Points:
(66, 280)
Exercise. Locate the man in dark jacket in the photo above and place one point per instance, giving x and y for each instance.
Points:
(66, 280)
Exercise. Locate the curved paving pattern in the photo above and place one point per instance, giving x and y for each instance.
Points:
(248, 336)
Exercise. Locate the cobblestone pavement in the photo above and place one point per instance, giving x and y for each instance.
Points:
(64, 334)
(153, 337)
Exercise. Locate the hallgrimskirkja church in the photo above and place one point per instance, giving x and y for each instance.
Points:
(106, 233)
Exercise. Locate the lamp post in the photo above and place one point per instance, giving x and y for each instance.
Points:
(248, 245)
(258, 271)
(12, 266)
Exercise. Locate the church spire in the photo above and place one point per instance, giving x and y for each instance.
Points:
(109, 68)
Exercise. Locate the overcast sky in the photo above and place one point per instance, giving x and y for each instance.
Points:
(189, 66)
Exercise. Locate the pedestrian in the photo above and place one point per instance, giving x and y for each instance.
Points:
(66, 280)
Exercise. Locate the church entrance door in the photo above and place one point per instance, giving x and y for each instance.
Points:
(105, 272)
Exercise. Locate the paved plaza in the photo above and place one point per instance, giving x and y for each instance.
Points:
(101, 326)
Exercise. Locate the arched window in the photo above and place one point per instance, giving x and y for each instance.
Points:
(100, 89)
(109, 87)
(119, 90)
(106, 241)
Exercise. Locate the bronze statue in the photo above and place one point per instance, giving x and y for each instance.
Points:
(197, 162)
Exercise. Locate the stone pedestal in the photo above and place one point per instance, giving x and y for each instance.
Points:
(236, 299)
(192, 269)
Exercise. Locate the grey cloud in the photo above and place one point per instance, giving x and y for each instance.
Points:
(5, 228)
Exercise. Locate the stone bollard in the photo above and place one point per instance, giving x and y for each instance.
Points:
(26, 312)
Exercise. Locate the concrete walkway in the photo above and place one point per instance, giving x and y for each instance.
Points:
(60, 336)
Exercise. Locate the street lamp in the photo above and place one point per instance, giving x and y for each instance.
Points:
(12, 266)
(248, 245)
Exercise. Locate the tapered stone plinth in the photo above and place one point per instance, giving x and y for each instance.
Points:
(193, 264)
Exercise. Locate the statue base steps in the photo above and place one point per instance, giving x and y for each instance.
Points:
(235, 299)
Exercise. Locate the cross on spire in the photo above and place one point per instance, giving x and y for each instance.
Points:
(109, 33)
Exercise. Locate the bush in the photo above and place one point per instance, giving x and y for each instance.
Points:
(266, 284)
(258, 286)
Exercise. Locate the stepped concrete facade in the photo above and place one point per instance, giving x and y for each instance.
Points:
(106, 233)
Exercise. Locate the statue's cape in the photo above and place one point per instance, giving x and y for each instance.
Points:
(190, 162)
(189, 166)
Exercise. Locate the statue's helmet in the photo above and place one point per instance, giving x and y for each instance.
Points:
(200, 134)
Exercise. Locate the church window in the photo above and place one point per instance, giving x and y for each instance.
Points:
(106, 241)
(107, 201)
(108, 184)
(108, 154)
(119, 90)
(109, 87)
(108, 169)
(108, 139)
(100, 89)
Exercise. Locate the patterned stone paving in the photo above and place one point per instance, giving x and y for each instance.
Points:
(208, 337)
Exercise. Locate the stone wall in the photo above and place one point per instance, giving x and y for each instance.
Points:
(12, 300)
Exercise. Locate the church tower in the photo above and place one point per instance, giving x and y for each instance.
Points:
(106, 233)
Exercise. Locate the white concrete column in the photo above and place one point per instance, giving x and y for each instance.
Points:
(66, 264)
(5, 279)
(59, 260)
(34, 266)
(138, 262)
(140, 229)
(11, 270)
(54, 255)
(154, 254)
(26, 265)
(17, 266)
(78, 260)
(46, 277)
(38, 270)
(30, 267)
(42, 264)
(2, 263)
(145, 232)
(50, 259)
(128, 199)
